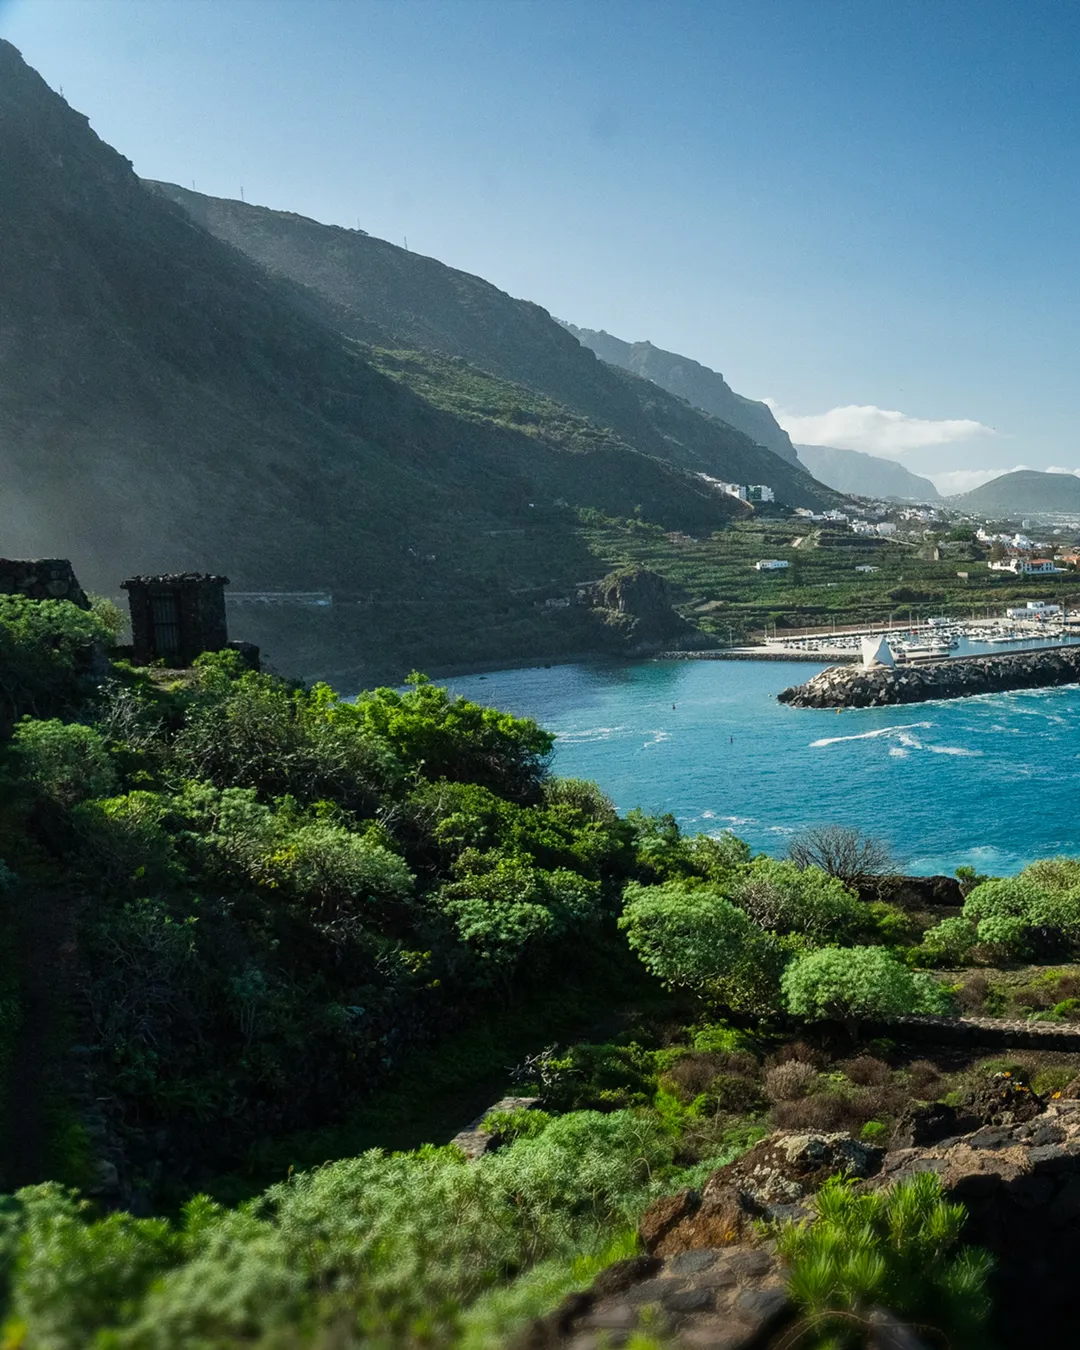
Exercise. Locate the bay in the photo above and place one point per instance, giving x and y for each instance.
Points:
(986, 781)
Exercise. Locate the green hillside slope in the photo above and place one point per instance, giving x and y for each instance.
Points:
(429, 305)
(166, 405)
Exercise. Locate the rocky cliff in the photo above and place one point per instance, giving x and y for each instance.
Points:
(709, 1278)
(704, 388)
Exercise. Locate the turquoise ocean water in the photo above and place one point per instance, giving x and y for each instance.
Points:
(991, 781)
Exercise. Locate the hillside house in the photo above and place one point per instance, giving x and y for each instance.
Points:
(771, 565)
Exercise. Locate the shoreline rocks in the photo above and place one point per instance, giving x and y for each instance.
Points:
(954, 677)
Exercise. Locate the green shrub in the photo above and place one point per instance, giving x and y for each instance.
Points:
(931, 996)
(45, 654)
(523, 1123)
(1049, 1081)
(897, 1249)
(128, 841)
(1009, 936)
(950, 942)
(692, 936)
(785, 898)
(65, 762)
(890, 924)
(849, 983)
(873, 1130)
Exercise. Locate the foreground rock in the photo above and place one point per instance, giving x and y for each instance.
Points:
(956, 677)
(709, 1279)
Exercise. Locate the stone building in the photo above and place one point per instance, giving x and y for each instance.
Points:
(177, 617)
(41, 579)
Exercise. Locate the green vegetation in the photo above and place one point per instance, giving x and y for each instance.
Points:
(248, 925)
(895, 1249)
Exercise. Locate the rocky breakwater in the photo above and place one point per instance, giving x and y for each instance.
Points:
(954, 677)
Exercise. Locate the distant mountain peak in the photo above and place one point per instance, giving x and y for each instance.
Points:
(865, 475)
(689, 379)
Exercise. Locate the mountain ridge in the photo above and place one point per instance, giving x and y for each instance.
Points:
(865, 475)
(167, 405)
(696, 383)
(426, 304)
(1022, 490)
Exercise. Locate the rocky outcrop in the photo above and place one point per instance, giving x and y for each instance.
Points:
(709, 1278)
(956, 677)
(636, 605)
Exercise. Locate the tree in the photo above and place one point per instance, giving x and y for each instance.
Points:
(848, 983)
(693, 937)
(855, 858)
(786, 898)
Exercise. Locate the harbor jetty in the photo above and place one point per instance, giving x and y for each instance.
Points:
(951, 677)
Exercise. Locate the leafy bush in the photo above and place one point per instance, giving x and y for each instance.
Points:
(65, 762)
(897, 1249)
(848, 983)
(404, 1242)
(950, 941)
(785, 898)
(46, 650)
(694, 937)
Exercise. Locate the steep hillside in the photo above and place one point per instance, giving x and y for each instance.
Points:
(1025, 491)
(372, 285)
(866, 475)
(704, 388)
(164, 404)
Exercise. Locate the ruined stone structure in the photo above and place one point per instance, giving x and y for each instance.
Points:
(177, 617)
(41, 579)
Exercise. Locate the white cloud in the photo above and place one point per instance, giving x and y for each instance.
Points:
(1053, 468)
(878, 431)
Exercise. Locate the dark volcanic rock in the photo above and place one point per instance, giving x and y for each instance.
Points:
(956, 677)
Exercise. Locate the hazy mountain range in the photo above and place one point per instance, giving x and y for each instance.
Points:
(191, 383)
(864, 475)
(1024, 491)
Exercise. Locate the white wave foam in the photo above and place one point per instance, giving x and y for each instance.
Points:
(868, 735)
(953, 750)
(657, 738)
(587, 734)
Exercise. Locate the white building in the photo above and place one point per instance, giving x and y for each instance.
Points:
(837, 516)
(1034, 609)
(886, 529)
(1025, 567)
(865, 567)
(760, 492)
(862, 527)
(771, 565)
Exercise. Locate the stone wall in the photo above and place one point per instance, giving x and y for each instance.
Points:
(956, 677)
(41, 579)
(176, 617)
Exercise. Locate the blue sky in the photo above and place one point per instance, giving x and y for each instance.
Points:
(867, 212)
